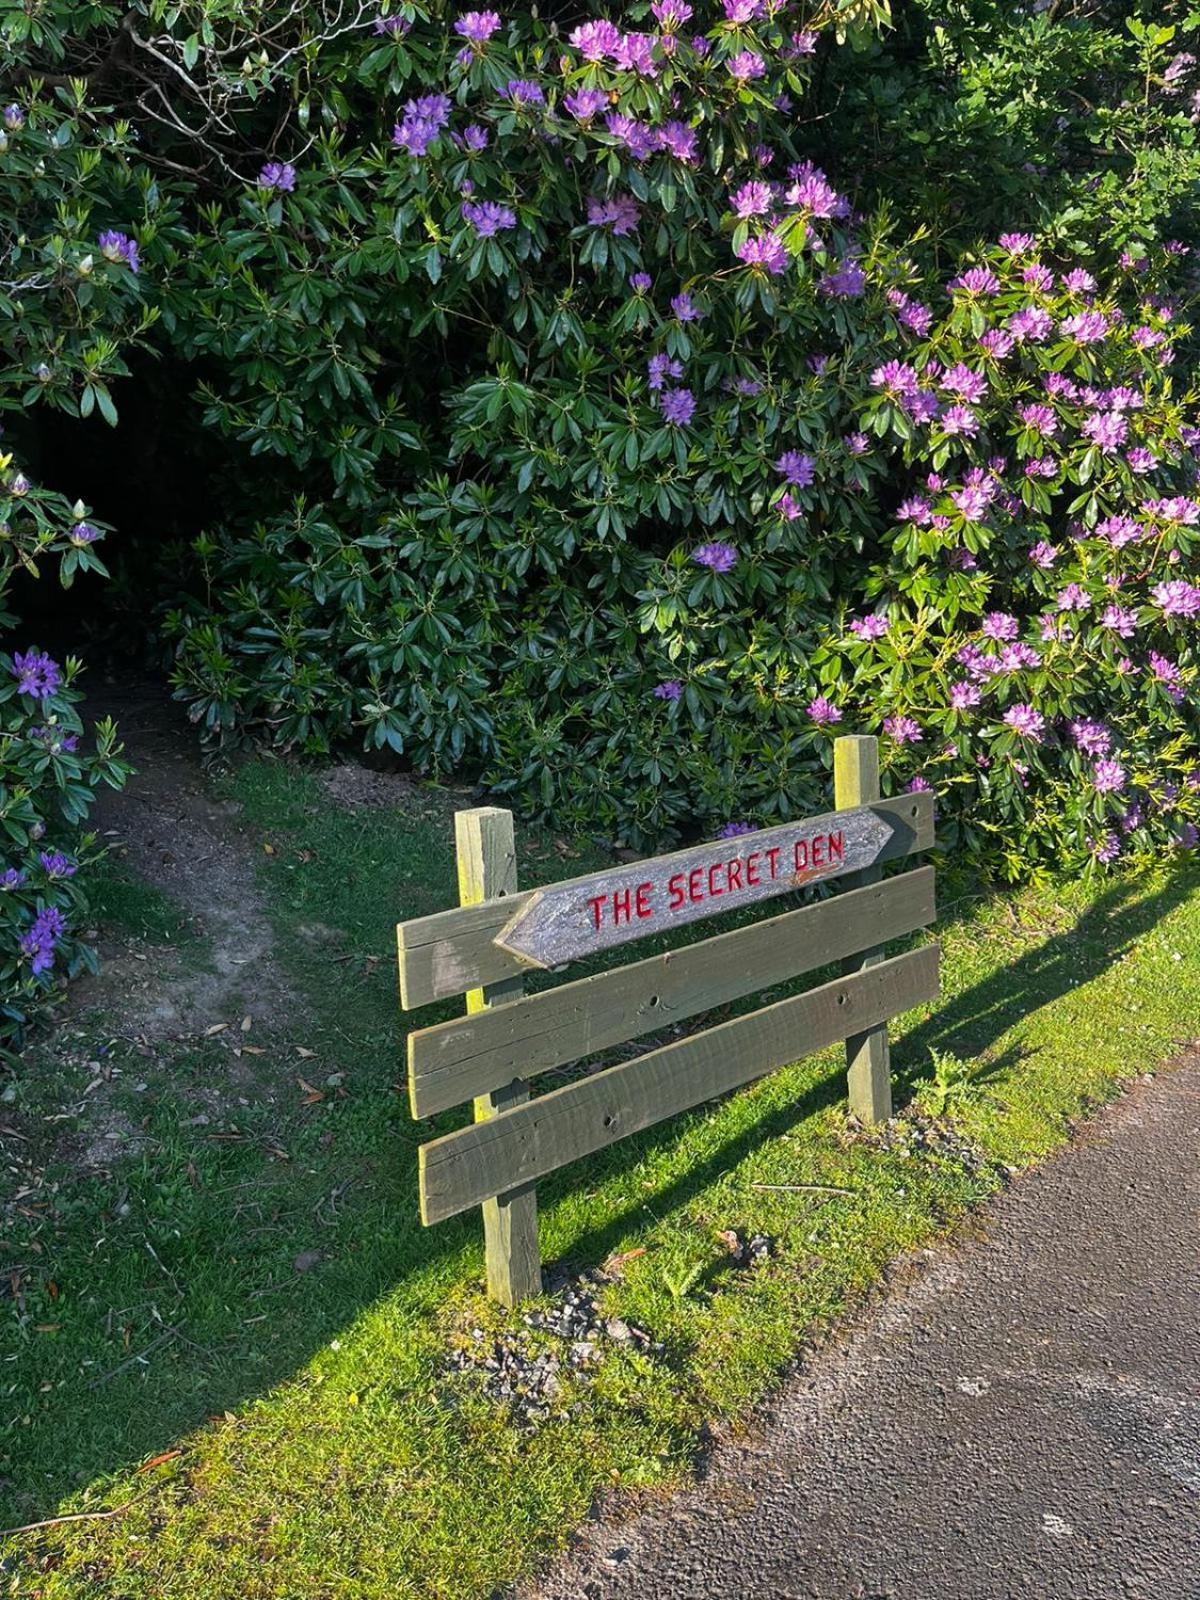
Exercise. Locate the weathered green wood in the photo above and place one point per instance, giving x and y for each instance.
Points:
(452, 951)
(611, 908)
(462, 1169)
(868, 1058)
(487, 870)
(468, 1056)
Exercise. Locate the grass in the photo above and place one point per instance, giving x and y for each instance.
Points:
(275, 1432)
(123, 902)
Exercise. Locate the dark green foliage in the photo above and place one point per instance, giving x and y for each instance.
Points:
(452, 518)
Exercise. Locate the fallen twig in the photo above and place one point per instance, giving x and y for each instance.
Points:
(74, 1516)
(84, 1516)
(140, 1356)
(802, 1188)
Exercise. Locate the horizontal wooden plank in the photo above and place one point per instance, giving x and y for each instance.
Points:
(473, 1055)
(463, 1169)
(610, 908)
(453, 951)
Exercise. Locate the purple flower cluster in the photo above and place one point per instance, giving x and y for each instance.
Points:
(1108, 776)
(36, 674)
(999, 625)
(57, 865)
(898, 381)
(477, 27)
(763, 253)
(1030, 323)
(1120, 621)
(278, 175)
(114, 246)
(1176, 598)
(904, 730)
(55, 740)
(913, 316)
(661, 367)
(1093, 738)
(635, 53)
(823, 712)
(619, 214)
(584, 104)
(595, 40)
(1041, 419)
(671, 14)
(847, 281)
(422, 122)
(525, 92)
(746, 65)
(812, 193)
(679, 140)
(1119, 530)
(488, 217)
(717, 557)
(639, 138)
(753, 199)
(966, 384)
(796, 469)
(1167, 674)
(1025, 721)
(1085, 327)
(1106, 430)
(684, 310)
(869, 628)
(977, 280)
(678, 408)
(39, 943)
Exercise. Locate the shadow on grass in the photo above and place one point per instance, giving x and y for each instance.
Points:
(969, 1024)
(194, 1300)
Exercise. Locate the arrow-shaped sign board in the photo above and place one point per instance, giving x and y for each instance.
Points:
(594, 913)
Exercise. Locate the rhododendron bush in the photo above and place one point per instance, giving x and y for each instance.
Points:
(969, 530)
(49, 768)
(605, 416)
(60, 334)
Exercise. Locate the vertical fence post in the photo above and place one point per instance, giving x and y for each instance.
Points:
(868, 1061)
(487, 869)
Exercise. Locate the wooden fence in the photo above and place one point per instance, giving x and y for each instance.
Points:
(485, 946)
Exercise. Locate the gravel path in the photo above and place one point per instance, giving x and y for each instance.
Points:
(1021, 1422)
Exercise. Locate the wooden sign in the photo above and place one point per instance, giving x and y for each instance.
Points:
(482, 947)
(595, 913)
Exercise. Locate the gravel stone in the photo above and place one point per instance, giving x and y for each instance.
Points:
(515, 1369)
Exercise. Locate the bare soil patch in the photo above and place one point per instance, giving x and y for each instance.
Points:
(176, 834)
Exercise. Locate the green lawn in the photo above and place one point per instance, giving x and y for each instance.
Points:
(314, 1444)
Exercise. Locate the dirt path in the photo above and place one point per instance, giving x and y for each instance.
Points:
(1021, 1422)
(173, 833)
